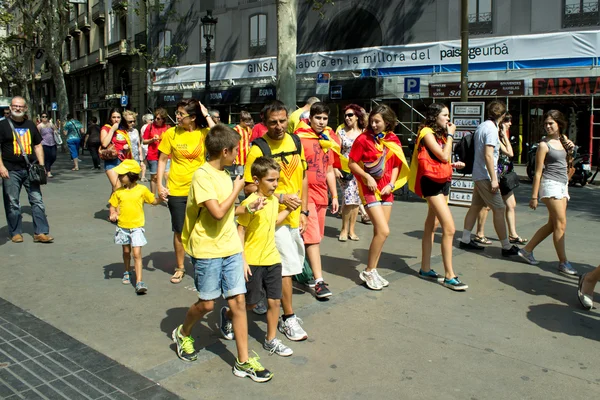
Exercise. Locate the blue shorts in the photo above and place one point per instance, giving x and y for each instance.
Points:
(110, 164)
(134, 237)
(214, 277)
(74, 147)
(153, 166)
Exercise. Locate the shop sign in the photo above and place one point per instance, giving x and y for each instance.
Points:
(170, 98)
(479, 89)
(229, 96)
(263, 94)
(586, 86)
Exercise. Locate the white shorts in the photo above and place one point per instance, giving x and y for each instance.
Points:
(134, 237)
(550, 189)
(291, 249)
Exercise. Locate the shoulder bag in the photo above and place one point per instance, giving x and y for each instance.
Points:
(109, 152)
(57, 139)
(35, 172)
(508, 182)
(433, 169)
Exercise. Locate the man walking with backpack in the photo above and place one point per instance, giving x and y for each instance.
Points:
(486, 192)
(292, 192)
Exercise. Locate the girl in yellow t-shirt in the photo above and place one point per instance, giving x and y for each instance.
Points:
(184, 144)
(127, 210)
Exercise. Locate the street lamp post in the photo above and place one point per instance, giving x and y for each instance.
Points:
(208, 28)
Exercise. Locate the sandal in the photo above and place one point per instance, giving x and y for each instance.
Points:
(343, 238)
(353, 237)
(177, 278)
(517, 240)
(74, 169)
(365, 219)
(126, 280)
(481, 240)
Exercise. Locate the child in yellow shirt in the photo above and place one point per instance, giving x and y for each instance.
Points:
(127, 209)
(210, 237)
(261, 258)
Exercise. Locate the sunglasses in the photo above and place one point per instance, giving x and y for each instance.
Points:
(130, 122)
(159, 119)
(349, 115)
(44, 116)
(181, 115)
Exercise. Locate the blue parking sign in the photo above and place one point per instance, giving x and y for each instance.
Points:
(412, 85)
(124, 100)
(54, 106)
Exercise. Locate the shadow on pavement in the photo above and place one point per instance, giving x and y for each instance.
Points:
(560, 288)
(102, 215)
(114, 271)
(568, 319)
(165, 261)
(27, 227)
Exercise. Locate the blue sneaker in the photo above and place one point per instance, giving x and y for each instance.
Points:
(455, 284)
(566, 269)
(430, 275)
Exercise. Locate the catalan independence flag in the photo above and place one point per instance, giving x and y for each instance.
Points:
(24, 136)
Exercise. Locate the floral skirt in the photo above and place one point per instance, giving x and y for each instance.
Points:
(350, 192)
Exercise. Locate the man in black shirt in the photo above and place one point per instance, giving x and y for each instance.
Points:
(92, 141)
(14, 174)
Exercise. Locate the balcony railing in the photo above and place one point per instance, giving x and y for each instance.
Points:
(481, 23)
(96, 57)
(83, 21)
(78, 64)
(117, 49)
(73, 29)
(99, 13)
(575, 15)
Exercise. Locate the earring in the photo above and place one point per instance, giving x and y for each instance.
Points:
(256, 182)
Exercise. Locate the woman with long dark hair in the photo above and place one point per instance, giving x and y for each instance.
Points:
(184, 144)
(551, 185)
(47, 128)
(113, 132)
(377, 161)
(431, 180)
(348, 132)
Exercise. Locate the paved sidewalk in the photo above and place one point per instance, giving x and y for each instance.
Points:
(517, 333)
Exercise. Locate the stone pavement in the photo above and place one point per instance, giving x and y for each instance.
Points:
(516, 333)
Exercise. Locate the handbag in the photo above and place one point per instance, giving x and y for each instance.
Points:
(36, 173)
(57, 139)
(433, 169)
(508, 182)
(108, 153)
(306, 274)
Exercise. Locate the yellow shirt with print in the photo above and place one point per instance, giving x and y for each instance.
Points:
(259, 244)
(291, 175)
(187, 153)
(294, 120)
(203, 236)
(130, 203)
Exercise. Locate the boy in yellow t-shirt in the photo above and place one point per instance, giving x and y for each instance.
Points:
(262, 260)
(127, 209)
(210, 237)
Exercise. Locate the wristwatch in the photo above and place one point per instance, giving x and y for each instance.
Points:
(207, 116)
(305, 212)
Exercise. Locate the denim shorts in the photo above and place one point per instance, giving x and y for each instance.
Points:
(214, 277)
(110, 164)
(153, 166)
(134, 237)
(553, 189)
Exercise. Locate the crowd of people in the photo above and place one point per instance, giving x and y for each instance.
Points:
(248, 204)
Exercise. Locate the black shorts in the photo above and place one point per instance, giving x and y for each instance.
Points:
(264, 282)
(177, 206)
(430, 188)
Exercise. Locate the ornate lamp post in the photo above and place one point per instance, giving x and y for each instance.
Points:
(208, 30)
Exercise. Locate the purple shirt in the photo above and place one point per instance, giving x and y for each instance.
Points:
(47, 135)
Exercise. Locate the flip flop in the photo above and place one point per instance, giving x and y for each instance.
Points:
(481, 240)
(177, 279)
(517, 240)
(355, 238)
(343, 238)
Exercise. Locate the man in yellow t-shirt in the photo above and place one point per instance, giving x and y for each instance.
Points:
(292, 192)
(300, 113)
(210, 238)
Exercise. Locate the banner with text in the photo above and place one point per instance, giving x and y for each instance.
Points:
(559, 45)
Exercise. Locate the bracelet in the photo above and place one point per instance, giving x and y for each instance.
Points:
(534, 198)
(281, 197)
(450, 135)
(391, 185)
(207, 116)
(334, 197)
(248, 209)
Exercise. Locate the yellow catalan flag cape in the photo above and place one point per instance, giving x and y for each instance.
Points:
(391, 142)
(414, 162)
(304, 131)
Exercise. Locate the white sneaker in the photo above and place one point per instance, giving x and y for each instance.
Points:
(291, 328)
(370, 278)
(383, 282)
(276, 346)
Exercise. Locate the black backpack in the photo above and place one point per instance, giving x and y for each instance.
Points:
(266, 150)
(465, 151)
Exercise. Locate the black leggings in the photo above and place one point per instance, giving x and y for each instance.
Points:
(93, 148)
(49, 156)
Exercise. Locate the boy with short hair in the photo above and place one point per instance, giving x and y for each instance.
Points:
(210, 237)
(127, 209)
(318, 144)
(262, 260)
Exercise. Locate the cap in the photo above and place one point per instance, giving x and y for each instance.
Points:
(128, 166)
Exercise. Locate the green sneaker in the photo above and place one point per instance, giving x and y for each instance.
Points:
(252, 369)
(185, 345)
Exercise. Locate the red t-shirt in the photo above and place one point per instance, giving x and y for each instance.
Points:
(378, 161)
(317, 164)
(258, 131)
(151, 131)
(119, 139)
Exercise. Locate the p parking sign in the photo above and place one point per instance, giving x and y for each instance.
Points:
(412, 85)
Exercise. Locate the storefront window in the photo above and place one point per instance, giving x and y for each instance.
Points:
(258, 35)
